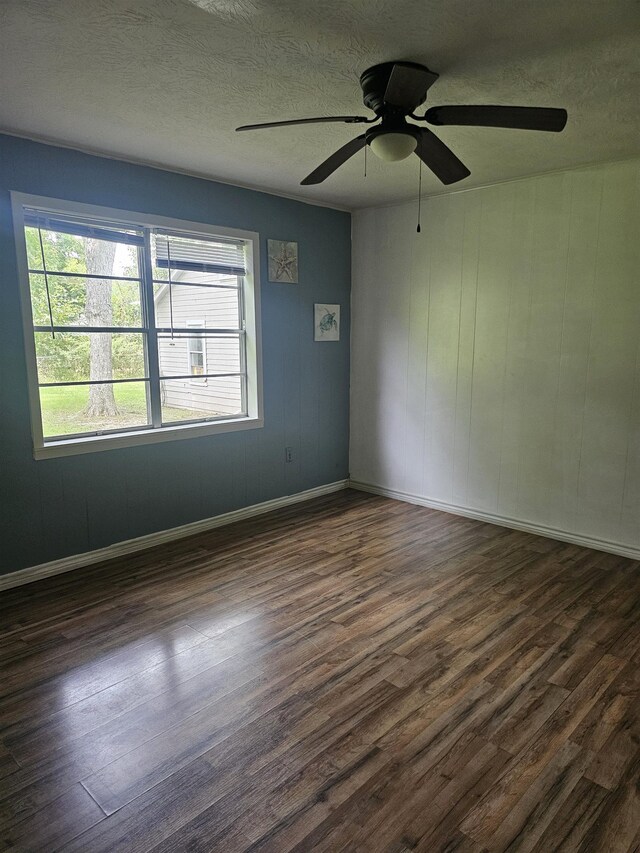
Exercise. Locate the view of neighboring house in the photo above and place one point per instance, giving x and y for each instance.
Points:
(208, 301)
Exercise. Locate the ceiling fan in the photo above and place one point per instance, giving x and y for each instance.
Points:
(394, 90)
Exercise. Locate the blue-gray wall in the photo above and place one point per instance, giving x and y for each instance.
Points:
(57, 507)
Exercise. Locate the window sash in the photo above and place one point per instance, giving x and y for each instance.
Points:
(84, 275)
(62, 384)
(89, 329)
(141, 238)
(190, 331)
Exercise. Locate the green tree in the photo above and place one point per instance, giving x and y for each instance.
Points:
(77, 301)
(60, 359)
(98, 311)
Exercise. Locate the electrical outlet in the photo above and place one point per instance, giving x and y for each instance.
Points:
(288, 454)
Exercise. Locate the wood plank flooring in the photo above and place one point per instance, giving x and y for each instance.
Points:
(350, 674)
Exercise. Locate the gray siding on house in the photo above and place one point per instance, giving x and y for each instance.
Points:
(205, 307)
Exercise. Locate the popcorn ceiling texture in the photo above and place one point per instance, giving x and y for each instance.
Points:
(167, 81)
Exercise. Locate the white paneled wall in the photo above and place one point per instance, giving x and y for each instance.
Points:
(496, 356)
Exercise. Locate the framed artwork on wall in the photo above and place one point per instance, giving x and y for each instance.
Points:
(326, 322)
(283, 261)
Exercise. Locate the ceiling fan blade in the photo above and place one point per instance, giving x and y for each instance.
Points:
(407, 86)
(439, 158)
(345, 119)
(337, 159)
(523, 118)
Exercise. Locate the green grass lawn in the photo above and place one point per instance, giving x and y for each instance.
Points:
(63, 409)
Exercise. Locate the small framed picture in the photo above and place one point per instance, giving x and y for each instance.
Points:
(326, 322)
(283, 261)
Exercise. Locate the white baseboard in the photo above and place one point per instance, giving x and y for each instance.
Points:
(129, 546)
(618, 548)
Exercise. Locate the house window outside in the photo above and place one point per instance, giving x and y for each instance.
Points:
(196, 356)
(137, 328)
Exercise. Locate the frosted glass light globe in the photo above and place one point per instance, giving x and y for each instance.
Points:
(393, 146)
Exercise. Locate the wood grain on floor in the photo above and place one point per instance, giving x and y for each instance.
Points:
(350, 674)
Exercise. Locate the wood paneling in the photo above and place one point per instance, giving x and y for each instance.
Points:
(351, 674)
(496, 356)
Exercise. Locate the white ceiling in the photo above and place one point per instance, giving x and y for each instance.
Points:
(167, 81)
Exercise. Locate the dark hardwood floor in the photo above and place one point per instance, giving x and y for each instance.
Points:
(350, 674)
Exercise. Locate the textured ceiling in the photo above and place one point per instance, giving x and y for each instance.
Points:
(167, 81)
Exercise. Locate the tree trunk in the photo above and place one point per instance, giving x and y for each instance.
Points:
(98, 311)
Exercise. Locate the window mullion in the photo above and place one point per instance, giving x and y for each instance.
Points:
(242, 342)
(152, 335)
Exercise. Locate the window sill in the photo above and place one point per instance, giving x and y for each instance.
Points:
(94, 444)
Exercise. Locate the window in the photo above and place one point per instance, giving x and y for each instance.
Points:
(196, 357)
(137, 328)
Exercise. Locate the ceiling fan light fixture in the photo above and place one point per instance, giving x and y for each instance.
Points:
(393, 146)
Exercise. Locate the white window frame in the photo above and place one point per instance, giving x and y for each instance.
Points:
(250, 295)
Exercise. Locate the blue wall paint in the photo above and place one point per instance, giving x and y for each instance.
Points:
(57, 507)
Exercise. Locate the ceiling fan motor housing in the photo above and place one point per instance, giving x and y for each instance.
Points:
(374, 83)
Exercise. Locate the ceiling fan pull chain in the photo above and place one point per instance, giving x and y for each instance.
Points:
(419, 192)
(365, 160)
